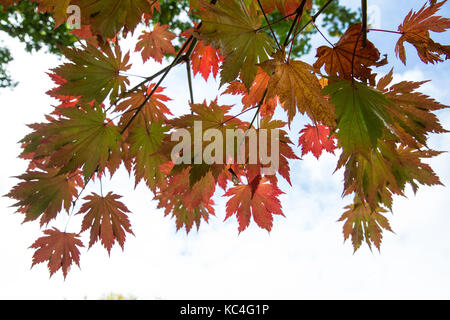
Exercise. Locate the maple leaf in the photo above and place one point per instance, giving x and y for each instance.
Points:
(361, 115)
(188, 203)
(211, 117)
(416, 30)
(257, 199)
(43, 194)
(362, 223)
(154, 109)
(386, 172)
(349, 57)
(108, 17)
(80, 138)
(106, 218)
(315, 139)
(60, 249)
(233, 27)
(411, 111)
(93, 74)
(66, 101)
(85, 32)
(145, 141)
(285, 7)
(298, 89)
(256, 93)
(285, 152)
(205, 60)
(156, 44)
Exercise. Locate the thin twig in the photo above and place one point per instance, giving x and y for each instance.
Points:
(238, 115)
(388, 31)
(173, 64)
(257, 111)
(313, 19)
(364, 22)
(76, 200)
(276, 21)
(270, 26)
(299, 14)
(354, 54)
(189, 76)
(320, 32)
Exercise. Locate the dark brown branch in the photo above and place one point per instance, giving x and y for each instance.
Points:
(364, 22)
(313, 18)
(270, 26)
(193, 42)
(189, 76)
(257, 111)
(298, 16)
(323, 36)
(173, 64)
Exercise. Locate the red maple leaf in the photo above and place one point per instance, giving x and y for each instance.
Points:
(59, 249)
(315, 139)
(107, 219)
(204, 59)
(258, 199)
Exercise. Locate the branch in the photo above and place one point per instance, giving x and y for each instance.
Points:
(238, 115)
(299, 14)
(323, 36)
(268, 23)
(364, 22)
(313, 19)
(257, 111)
(173, 64)
(189, 76)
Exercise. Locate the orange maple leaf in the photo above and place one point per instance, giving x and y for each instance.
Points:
(156, 44)
(253, 97)
(349, 49)
(258, 199)
(416, 30)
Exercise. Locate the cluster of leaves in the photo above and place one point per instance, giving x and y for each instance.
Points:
(21, 20)
(101, 123)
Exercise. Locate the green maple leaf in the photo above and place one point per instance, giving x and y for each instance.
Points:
(81, 138)
(108, 17)
(361, 115)
(233, 26)
(144, 145)
(43, 194)
(93, 74)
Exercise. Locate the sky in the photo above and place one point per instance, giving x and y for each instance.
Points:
(304, 257)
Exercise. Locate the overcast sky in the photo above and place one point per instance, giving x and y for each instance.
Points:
(304, 257)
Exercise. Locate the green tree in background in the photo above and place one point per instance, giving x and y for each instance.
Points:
(36, 30)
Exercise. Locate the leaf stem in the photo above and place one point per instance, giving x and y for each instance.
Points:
(313, 18)
(388, 31)
(321, 33)
(268, 23)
